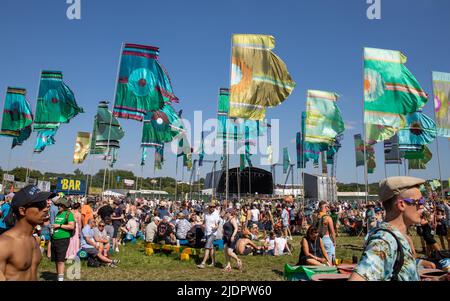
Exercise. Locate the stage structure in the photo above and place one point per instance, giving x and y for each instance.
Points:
(249, 181)
(321, 188)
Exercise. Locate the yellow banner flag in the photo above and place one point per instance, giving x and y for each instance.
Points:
(82, 147)
(259, 78)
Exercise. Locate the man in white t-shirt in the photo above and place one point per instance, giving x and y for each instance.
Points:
(254, 216)
(211, 224)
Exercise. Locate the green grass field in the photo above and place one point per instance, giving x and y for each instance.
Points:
(135, 265)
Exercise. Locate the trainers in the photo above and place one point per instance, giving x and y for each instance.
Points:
(212, 265)
(112, 265)
(117, 250)
(201, 266)
(116, 261)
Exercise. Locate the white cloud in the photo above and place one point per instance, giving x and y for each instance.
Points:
(350, 125)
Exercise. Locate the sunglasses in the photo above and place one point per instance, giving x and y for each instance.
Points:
(39, 205)
(101, 226)
(419, 202)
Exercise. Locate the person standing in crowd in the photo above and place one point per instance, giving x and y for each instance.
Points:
(427, 234)
(105, 211)
(20, 254)
(86, 210)
(441, 225)
(90, 246)
(74, 245)
(285, 219)
(388, 254)
(162, 210)
(230, 230)
(117, 220)
(325, 227)
(312, 249)
(62, 231)
(4, 211)
(211, 224)
(53, 212)
(254, 216)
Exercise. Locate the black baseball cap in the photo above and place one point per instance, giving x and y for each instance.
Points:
(29, 195)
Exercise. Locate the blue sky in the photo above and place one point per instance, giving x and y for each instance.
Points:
(321, 42)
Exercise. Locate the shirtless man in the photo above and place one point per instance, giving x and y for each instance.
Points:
(326, 230)
(245, 246)
(19, 251)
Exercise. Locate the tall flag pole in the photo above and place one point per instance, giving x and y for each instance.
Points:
(441, 91)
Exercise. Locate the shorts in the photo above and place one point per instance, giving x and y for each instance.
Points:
(247, 251)
(116, 227)
(329, 247)
(441, 230)
(59, 249)
(230, 244)
(210, 241)
(92, 252)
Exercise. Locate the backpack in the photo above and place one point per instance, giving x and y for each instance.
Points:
(319, 225)
(93, 262)
(400, 258)
(10, 218)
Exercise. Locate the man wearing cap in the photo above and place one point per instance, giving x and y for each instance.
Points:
(20, 254)
(382, 258)
(211, 224)
(4, 211)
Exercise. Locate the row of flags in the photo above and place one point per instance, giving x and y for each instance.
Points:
(393, 103)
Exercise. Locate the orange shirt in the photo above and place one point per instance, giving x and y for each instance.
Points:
(87, 213)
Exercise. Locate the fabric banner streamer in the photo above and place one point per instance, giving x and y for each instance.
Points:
(17, 114)
(143, 83)
(370, 155)
(24, 134)
(441, 85)
(420, 130)
(82, 147)
(286, 160)
(201, 153)
(421, 163)
(227, 128)
(56, 102)
(259, 78)
(159, 157)
(323, 118)
(299, 147)
(161, 127)
(390, 91)
(324, 163)
(359, 150)
(44, 139)
(106, 129)
(55, 105)
(391, 151)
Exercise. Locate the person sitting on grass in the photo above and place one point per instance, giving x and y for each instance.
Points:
(164, 233)
(269, 244)
(281, 245)
(90, 246)
(313, 250)
(245, 246)
(102, 239)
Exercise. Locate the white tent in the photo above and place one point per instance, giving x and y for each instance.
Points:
(112, 193)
